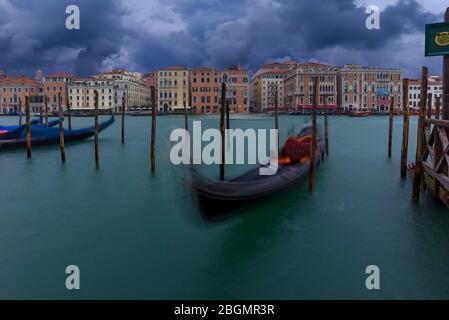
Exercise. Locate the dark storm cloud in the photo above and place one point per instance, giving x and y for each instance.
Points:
(36, 28)
(129, 34)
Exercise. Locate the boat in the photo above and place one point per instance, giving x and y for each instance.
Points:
(217, 199)
(13, 132)
(359, 114)
(48, 136)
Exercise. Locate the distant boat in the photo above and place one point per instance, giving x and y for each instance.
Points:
(359, 114)
(48, 136)
(218, 198)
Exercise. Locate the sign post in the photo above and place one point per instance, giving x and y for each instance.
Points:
(437, 44)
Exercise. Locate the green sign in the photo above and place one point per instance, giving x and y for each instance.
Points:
(437, 39)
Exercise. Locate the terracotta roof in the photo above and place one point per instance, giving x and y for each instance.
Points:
(21, 80)
(60, 75)
(274, 71)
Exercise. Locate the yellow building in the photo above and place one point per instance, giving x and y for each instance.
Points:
(173, 89)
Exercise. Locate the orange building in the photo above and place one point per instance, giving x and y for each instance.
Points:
(205, 86)
(55, 84)
(237, 92)
(13, 91)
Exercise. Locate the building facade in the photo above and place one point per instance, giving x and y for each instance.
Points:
(130, 85)
(237, 88)
(299, 86)
(13, 91)
(173, 89)
(369, 89)
(205, 84)
(265, 83)
(55, 84)
(435, 87)
(82, 94)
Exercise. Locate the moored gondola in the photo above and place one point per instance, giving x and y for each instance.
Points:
(218, 199)
(13, 132)
(48, 136)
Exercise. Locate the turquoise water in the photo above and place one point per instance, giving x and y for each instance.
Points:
(135, 236)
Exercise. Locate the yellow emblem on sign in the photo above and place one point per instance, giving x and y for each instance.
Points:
(442, 39)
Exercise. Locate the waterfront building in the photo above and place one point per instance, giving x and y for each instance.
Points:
(435, 87)
(237, 93)
(129, 85)
(150, 79)
(299, 86)
(81, 94)
(264, 84)
(173, 89)
(369, 88)
(55, 84)
(205, 86)
(13, 91)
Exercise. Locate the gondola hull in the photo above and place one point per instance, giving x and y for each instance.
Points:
(218, 199)
(49, 136)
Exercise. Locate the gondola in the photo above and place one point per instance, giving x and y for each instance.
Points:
(48, 136)
(13, 132)
(218, 199)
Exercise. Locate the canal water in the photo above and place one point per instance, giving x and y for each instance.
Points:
(135, 236)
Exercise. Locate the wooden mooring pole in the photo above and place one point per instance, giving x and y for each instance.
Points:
(326, 127)
(276, 114)
(46, 111)
(69, 113)
(153, 130)
(228, 120)
(429, 105)
(41, 116)
(123, 118)
(313, 145)
(97, 152)
(222, 130)
(28, 128)
(61, 129)
(20, 112)
(418, 175)
(186, 117)
(437, 107)
(390, 129)
(405, 128)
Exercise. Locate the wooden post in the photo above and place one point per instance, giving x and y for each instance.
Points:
(390, 129)
(228, 121)
(123, 118)
(429, 105)
(437, 107)
(276, 113)
(46, 111)
(326, 127)
(446, 78)
(69, 114)
(61, 129)
(28, 128)
(313, 145)
(153, 130)
(41, 116)
(186, 117)
(405, 129)
(97, 153)
(222, 130)
(417, 178)
(20, 112)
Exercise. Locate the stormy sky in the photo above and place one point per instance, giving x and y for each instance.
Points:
(141, 35)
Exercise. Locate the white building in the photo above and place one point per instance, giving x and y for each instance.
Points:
(131, 86)
(81, 94)
(435, 87)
